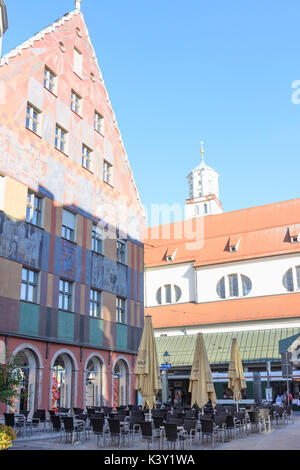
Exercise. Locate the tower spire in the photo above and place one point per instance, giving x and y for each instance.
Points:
(202, 151)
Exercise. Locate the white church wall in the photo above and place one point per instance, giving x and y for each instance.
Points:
(265, 274)
(181, 275)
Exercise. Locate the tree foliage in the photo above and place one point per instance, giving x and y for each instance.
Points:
(10, 381)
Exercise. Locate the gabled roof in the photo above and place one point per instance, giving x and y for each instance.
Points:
(5, 60)
(262, 231)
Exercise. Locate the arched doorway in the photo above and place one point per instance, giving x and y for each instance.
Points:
(63, 382)
(94, 373)
(120, 383)
(28, 364)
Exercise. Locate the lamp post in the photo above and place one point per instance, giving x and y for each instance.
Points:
(164, 378)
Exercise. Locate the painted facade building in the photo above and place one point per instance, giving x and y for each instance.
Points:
(71, 226)
(231, 274)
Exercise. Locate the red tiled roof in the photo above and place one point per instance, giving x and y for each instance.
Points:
(262, 231)
(226, 311)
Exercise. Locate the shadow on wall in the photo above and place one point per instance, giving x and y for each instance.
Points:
(56, 258)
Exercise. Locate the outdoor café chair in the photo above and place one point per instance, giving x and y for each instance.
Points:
(208, 430)
(97, 425)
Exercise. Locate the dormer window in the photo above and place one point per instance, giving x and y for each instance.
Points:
(294, 233)
(233, 243)
(170, 255)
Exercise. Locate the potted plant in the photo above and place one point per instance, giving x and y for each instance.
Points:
(7, 435)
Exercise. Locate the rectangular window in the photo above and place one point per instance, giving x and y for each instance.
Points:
(95, 303)
(50, 80)
(233, 285)
(29, 285)
(65, 295)
(32, 118)
(86, 157)
(76, 102)
(34, 209)
(77, 66)
(120, 310)
(68, 225)
(121, 251)
(97, 239)
(60, 139)
(107, 172)
(99, 123)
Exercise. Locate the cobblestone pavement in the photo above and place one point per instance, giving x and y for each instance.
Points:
(286, 437)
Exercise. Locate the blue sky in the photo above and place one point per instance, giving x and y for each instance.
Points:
(181, 72)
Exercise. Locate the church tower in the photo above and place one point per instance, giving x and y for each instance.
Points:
(203, 191)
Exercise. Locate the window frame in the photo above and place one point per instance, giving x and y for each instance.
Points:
(27, 283)
(76, 104)
(121, 310)
(33, 123)
(86, 157)
(171, 291)
(294, 278)
(66, 230)
(95, 303)
(62, 139)
(33, 210)
(97, 239)
(51, 80)
(226, 289)
(122, 251)
(65, 294)
(99, 122)
(107, 172)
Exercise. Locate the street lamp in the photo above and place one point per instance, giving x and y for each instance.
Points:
(164, 378)
(166, 357)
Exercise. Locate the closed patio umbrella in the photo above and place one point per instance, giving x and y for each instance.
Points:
(236, 378)
(147, 372)
(201, 382)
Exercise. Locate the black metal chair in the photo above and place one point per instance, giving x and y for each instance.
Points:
(17, 423)
(134, 426)
(117, 432)
(190, 426)
(71, 430)
(173, 437)
(208, 430)
(56, 423)
(147, 433)
(97, 425)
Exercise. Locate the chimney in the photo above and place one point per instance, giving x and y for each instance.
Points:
(3, 22)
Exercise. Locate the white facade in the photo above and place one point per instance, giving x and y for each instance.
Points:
(180, 275)
(265, 274)
(200, 284)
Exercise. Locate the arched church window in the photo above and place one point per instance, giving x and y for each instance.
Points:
(234, 285)
(168, 294)
(291, 279)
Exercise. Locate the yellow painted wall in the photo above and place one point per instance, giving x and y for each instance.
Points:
(15, 199)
